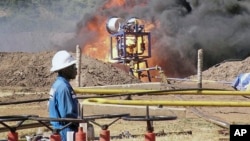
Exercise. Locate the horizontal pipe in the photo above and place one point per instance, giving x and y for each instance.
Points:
(195, 80)
(147, 69)
(170, 103)
(107, 91)
(24, 101)
(159, 92)
(136, 85)
(25, 126)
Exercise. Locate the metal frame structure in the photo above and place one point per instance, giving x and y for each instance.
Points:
(130, 45)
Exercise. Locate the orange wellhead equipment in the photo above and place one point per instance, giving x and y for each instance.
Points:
(104, 135)
(80, 135)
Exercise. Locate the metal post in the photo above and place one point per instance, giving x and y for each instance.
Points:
(199, 67)
(150, 135)
(78, 65)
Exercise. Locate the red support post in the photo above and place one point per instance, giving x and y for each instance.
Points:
(150, 136)
(80, 135)
(12, 136)
(55, 137)
(104, 135)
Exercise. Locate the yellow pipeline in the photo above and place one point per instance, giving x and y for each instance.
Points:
(169, 103)
(162, 92)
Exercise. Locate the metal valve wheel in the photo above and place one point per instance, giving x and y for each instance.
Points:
(105, 126)
(149, 119)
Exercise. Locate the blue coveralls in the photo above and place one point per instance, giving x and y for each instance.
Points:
(63, 104)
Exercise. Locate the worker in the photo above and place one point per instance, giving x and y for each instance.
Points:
(63, 102)
(242, 82)
(248, 87)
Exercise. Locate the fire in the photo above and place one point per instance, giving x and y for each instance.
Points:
(99, 48)
(93, 36)
(114, 3)
(98, 45)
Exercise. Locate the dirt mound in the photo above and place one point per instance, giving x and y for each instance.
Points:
(20, 69)
(32, 70)
(98, 73)
(226, 71)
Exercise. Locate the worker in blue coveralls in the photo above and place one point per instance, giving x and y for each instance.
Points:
(62, 101)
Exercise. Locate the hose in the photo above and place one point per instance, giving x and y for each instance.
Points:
(121, 92)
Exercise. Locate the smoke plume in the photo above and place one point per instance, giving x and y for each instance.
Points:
(180, 28)
(33, 26)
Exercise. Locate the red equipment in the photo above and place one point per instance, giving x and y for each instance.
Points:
(12, 136)
(149, 136)
(80, 135)
(104, 135)
(55, 137)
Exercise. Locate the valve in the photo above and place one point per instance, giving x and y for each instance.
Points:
(149, 135)
(12, 134)
(105, 133)
(80, 135)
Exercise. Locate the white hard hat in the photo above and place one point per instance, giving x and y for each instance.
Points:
(62, 59)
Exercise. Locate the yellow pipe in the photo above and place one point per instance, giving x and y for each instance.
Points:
(162, 92)
(210, 92)
(169, 103)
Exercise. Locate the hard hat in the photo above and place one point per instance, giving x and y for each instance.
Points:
(62, 59)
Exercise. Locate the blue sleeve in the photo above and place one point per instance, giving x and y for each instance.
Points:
(66, 105)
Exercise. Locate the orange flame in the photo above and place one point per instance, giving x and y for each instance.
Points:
(113, 3)
(99, 47)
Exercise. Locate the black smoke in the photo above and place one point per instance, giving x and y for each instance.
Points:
(219, 27)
